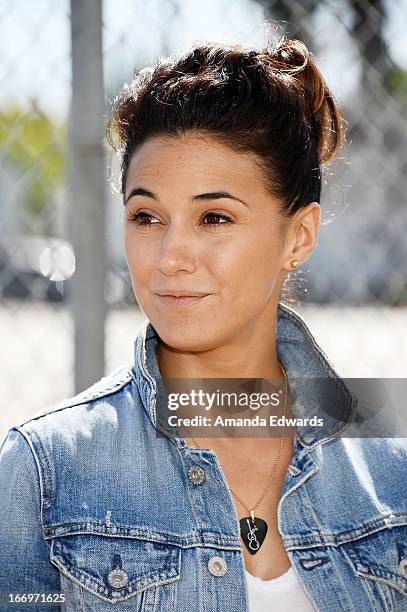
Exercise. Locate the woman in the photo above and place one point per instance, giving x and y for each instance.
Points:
(221, 151)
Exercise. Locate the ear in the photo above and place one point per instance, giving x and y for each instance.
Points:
(302, 234)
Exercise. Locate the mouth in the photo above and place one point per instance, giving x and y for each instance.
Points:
(180, 299)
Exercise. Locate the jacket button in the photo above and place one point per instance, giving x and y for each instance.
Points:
(196, 474)
(117, 579)
(217, 566)
(403, 567)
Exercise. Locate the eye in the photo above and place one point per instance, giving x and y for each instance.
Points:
(217, 216)
(140, 217)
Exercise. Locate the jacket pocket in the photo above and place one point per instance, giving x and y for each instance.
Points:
(380, 561)
(98, 571)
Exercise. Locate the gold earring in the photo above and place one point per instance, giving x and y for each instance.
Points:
(294, 264)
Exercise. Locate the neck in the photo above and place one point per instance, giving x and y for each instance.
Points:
(251, 353)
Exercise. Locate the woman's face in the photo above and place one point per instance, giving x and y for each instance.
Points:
(198, 219)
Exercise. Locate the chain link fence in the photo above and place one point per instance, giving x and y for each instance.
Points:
(61, 322)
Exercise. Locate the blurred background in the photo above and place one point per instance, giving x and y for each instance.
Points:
(67, 313)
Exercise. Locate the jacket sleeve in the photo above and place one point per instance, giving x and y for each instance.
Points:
(24, 553)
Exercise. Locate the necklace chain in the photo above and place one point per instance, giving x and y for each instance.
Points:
(276, 462)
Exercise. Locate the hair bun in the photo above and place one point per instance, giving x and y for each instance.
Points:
(292, 57)
(295, 57)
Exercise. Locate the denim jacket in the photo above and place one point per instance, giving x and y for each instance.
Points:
(98, 511)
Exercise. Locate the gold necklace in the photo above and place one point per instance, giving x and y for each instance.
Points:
(253, 529)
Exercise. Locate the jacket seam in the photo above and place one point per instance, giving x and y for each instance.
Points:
(152, 382)
(338, 539)
(181, 545)
(364, 585)
(41, 477)
(287, 493)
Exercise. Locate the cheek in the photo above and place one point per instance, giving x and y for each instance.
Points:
(252, 262)
(139, 258)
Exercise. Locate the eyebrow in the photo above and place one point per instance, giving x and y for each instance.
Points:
(213, 195)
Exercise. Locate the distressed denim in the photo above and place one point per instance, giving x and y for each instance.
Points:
(95, 506)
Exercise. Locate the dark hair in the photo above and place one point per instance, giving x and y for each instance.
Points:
(273, 102)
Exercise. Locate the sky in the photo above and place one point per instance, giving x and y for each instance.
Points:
(35, 41)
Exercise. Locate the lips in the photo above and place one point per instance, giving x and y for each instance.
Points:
(177, 298)
(181, 293)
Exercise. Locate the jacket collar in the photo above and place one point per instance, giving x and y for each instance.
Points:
(326, 396)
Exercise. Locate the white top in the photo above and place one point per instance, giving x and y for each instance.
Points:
(278, 594)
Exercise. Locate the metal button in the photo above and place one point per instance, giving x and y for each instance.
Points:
(217, 566)
(196, 474)
(117, 579)
(403, 567)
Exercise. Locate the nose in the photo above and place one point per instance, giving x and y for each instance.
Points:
(176, 250)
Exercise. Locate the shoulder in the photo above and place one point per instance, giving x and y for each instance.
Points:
(376, 456)
(106, 386)
(88, 433)
(366, 471)
(381, 450)
(78, 430)
(100, 402)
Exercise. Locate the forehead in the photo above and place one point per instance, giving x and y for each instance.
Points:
(192, 160)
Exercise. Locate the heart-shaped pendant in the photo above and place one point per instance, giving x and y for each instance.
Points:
(253, 532)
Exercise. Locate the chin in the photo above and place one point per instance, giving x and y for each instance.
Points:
(181, 338)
